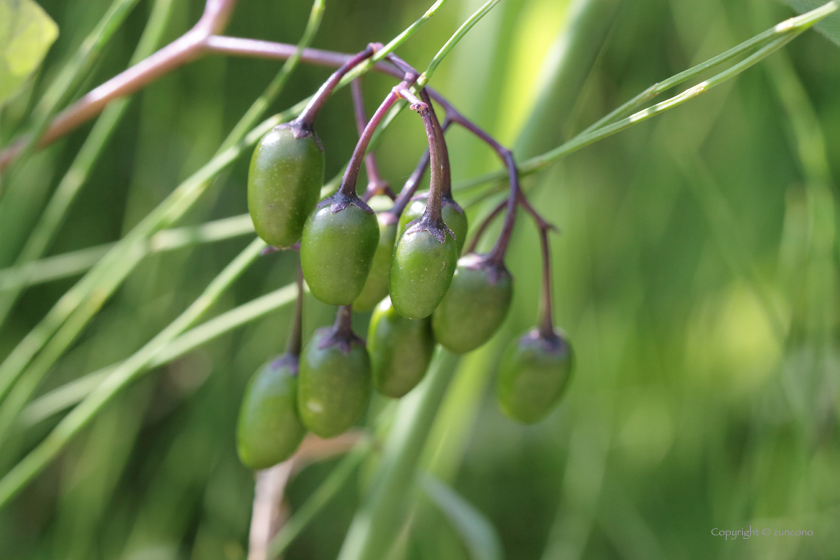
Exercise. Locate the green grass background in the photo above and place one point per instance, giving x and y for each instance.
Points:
(696, 276)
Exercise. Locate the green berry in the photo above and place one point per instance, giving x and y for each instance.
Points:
(269, 429)
(416, 208)
(453, 216)
(284, 183)
(334, 384)
(533, 376)
(421, 270)
(475, 305)
(336, 252)
(376, 286)
(400, 350)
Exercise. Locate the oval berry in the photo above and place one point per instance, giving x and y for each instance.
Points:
(269, 429)
(533, 376)
(337, 249)
(453, 216)
(376, 285)
(334, 384)
(475, 305)
(421, 272)
(284, 183)
(400, 350)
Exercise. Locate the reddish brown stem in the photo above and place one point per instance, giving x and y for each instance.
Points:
(434, 203)
(546, 321)
(497, 255)
(375, 183)
(484, 225)
(446, 172)
(307, 117)
(413, 183)
(344, 319)
(351, 174)
(203, 39)
(410, 186)
(296, 340)
(186, 48)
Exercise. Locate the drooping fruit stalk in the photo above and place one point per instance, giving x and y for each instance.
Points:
(479, 232)
(287, 168)
(269, 429)
(376, 185)
(536, 368)
(426, 254)
(340, 238)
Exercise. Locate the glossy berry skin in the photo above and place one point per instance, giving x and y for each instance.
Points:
(533, 376)
(400, 350)
(421, 272)
(453, 216)
(376, 285)
(284, 183)
(336, 251)
(269, 429)
(334, 384)
(475, 306)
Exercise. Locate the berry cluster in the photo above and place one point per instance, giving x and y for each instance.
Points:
(402, 263)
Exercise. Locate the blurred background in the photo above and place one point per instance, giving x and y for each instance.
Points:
(696, 275)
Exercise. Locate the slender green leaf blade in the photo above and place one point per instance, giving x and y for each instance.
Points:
(830, 26)
(26, 33)
(477, 532)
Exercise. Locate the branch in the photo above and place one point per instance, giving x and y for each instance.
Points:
(186, 48)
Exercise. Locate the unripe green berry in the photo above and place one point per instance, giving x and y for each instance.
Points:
(284, 183)
(376, 285)
(534, 374)
(421, 272)
(453, 216)
(269, 429)
(334, 384)
(400, 350)
(475, 306)
(336, 251)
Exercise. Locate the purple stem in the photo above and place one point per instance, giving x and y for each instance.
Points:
(446, 172)
(411, 185)
(296, 340)
(433, 211)
(351, 174)
(484, 225)
(307, 117)
(546, 322)
(343, 326)
(375, 183)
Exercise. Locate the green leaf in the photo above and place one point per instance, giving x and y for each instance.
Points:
(477, 532)
(26, 33)
(830, 26)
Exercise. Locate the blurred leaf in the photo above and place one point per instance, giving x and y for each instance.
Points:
(830, 26)
(26, 33)
(478, 533)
